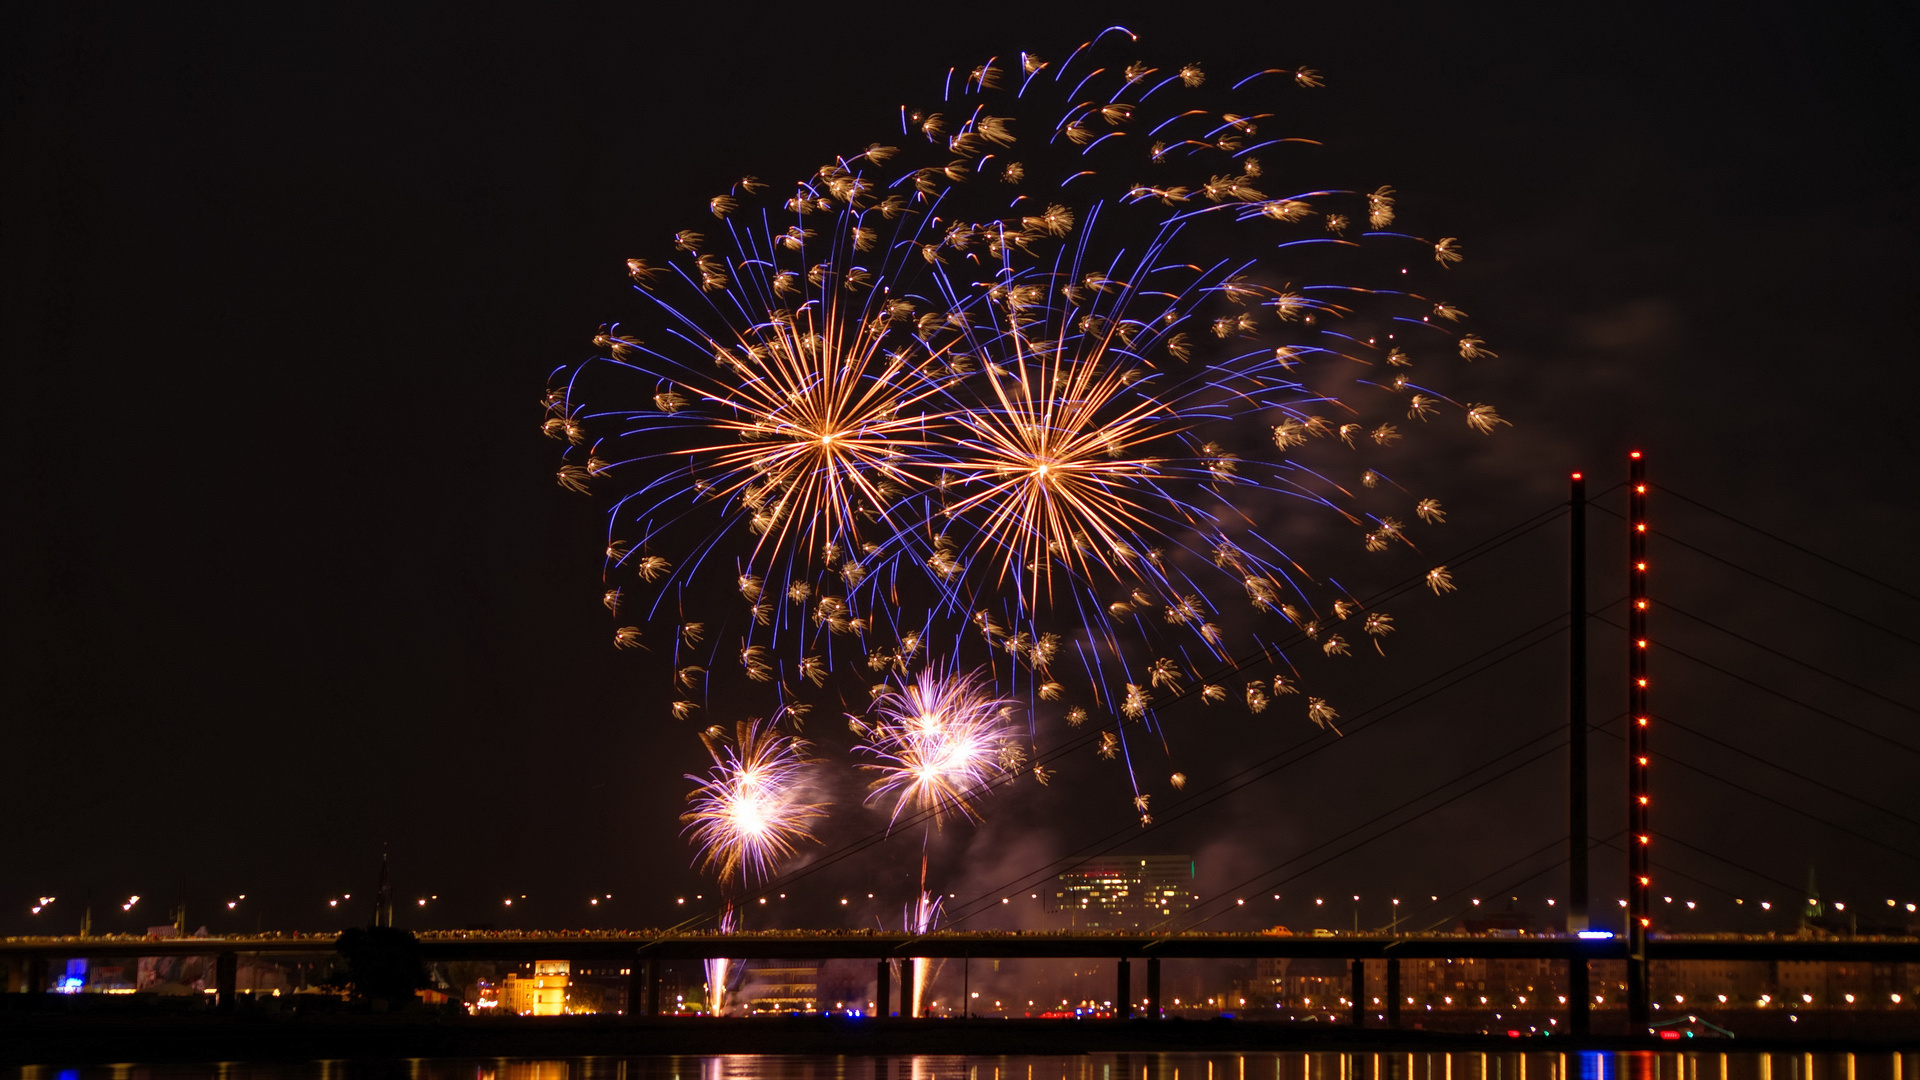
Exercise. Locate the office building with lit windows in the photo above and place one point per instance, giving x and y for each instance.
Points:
(1123, 892)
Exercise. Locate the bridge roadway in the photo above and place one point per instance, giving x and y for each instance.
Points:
(625, 946)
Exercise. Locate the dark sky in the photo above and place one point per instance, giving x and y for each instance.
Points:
(289, 579)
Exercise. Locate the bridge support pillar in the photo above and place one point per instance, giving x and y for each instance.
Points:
(1123, 990)
(1359, 997)
(653, 988)
(1639, 998)
(1153, 988)
(1579, 997)
(36, 975)
(883, 989)
(1393, 993)
(226, 981)
(639, 977)
(909, 972)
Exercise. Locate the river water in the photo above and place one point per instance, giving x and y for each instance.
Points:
(1697, 1062)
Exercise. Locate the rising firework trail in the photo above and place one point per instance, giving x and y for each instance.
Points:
(719, 969)
(921, 916)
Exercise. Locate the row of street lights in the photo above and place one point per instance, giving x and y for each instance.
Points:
(43, 903)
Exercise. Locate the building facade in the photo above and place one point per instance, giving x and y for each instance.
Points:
(544, 993)
(782, 986)
(1124, 892)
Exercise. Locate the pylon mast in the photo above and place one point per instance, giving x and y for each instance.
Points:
(1577, 710)
(1639, 832)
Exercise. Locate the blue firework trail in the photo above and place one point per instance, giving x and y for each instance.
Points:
(1032, 392)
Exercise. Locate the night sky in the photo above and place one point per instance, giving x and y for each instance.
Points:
(290, 583)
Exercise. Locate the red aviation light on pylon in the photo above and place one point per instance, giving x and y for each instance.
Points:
(1639, 643)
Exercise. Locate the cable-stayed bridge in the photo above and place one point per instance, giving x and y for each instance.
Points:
(1654, 854)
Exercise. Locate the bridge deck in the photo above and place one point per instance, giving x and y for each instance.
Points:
(608, 946)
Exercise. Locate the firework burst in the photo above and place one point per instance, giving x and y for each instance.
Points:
(1061, 362)
(938, 743)
(748, 812)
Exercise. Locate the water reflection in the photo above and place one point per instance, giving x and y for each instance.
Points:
(1386, 1065)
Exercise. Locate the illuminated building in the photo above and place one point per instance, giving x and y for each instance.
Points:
(783, 986)
(544, 993)
(1124, 892)
(1301, 983)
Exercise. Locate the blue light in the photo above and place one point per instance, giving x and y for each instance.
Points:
(1596, 935)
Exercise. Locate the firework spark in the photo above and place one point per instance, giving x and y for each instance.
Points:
(719, 968)
(922, 915)
(1062, 366)
(939, 742)
(748, 812)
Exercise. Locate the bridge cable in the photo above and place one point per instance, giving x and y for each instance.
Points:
(1665, 647)
(1412, 584)
(1666, 719)
(1610, 843)
(1784, 805)
(1260, 770)
(1363, 825)
(1475, 551)
(1784, 587)
(1710, 624)
(1558, 842)
(1242, 886)
(1889, 586)
(1770, 580)
(1272, 764)
(1792, 889)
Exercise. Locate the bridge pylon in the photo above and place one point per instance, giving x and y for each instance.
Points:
(1639, 833)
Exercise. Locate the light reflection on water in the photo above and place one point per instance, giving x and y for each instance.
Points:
(1384, 1065)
